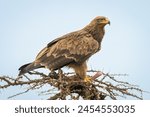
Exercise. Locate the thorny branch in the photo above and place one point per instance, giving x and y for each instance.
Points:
(69, 86)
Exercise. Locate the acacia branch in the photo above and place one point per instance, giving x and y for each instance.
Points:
(69, 85)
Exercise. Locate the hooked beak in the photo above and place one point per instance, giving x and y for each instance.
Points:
(106, 21)
(109, 22)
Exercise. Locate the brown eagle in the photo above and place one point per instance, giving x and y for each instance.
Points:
(71, 50)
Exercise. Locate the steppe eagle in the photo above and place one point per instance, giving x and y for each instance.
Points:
(72, 50)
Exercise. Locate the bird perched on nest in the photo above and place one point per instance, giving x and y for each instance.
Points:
(72, 50)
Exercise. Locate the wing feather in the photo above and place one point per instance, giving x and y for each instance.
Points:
(71, 49)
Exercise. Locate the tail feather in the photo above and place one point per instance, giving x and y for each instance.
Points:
(27, 67)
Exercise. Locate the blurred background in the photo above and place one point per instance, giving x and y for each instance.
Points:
(26, 26)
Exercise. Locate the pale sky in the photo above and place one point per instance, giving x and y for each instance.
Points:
(26, 26)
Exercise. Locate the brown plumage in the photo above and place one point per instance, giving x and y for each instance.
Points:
(71, 50)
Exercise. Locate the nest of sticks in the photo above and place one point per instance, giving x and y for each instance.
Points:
(64, 86)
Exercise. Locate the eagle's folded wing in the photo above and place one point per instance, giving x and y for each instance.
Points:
(71, 49)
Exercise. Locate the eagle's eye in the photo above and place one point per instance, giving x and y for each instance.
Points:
(100, 20)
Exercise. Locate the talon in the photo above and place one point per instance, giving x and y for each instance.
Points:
(88, 79)
(53, 74)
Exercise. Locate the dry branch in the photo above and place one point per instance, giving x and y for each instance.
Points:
(70, 86)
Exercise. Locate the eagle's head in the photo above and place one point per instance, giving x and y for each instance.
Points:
(100, 20)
